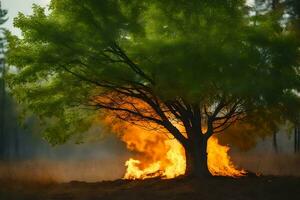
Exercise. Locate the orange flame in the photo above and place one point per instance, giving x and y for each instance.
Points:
(160, 156)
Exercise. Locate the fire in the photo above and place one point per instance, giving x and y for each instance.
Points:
(157, 154)
(219, 162)
(161, 156)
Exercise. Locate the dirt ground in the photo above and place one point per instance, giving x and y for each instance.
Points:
(181, 188)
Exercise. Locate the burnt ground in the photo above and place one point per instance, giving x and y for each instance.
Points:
(181, 188)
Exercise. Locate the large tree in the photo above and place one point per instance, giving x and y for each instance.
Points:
(191, 68)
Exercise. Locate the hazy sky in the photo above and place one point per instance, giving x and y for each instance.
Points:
(15, 6)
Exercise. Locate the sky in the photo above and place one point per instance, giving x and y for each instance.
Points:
(16, 6)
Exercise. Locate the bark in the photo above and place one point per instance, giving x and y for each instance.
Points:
(196, 158)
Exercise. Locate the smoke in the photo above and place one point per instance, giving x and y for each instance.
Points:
(32, 160)
(264, 159)
(270, 164)
(48, 171)
(36, 161)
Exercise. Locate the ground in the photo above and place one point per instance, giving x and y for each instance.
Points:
(181, 188)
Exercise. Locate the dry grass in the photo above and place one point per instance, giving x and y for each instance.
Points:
(269, 164)
(42, 171)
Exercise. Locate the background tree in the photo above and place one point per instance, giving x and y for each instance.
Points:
(286, 14)
(176, 66)
(3, 19)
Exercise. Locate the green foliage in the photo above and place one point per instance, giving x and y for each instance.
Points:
(196, 50)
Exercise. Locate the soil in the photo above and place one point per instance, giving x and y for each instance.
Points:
(220, 188)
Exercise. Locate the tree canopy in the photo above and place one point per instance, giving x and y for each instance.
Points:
(153, 61)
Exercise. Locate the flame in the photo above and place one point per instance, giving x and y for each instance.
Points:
(158, 155)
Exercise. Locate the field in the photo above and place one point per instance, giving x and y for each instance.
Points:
(264, 188)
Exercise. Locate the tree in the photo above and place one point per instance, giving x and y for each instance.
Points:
(3, 19)
(191, 68)
(289, 21)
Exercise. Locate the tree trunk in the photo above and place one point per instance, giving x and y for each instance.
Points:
(275, 4)
(196, 158)
(275, 146)
(296, 139)
(2, 108)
